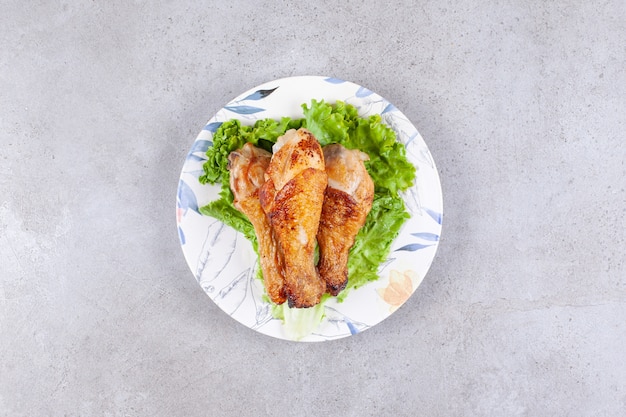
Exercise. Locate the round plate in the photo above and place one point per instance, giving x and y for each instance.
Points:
(224, 262)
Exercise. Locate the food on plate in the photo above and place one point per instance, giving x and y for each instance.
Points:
(292, 198)
(347, 202)
(388, 167)
(247, 175)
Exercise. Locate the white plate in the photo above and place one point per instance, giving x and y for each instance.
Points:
(223, 261)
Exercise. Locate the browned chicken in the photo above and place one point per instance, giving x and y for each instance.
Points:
(347, 203)
(292, 197)
(247, 174)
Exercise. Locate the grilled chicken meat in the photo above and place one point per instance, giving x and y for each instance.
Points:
(348, 201)
(247, 174)
(292, 198)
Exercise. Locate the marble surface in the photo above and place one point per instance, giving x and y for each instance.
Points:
(522, 104)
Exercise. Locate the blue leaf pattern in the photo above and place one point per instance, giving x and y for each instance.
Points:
(334, 80)
(413, 247)
(244, 109)
(435, 216)
(410, 139)
(388, 108)
(353, 329)
(186, 197)
(196, 172)
(426, 236)
(212, 127)
(181, 236)
(200, 146)
(260, 94)
(363, 92)
(197, 158)
(338, 319)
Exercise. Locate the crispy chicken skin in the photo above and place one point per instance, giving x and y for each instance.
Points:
(347, 203)
(247, 174)
(292, 198)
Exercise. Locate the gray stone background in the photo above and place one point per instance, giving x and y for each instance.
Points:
(522, 104)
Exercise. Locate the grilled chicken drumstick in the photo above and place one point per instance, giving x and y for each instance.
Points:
(292, 197)
(347, 203)
(247, 174)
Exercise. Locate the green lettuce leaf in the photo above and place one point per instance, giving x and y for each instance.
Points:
(374, 240)
(388, 165)
(228, 137)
